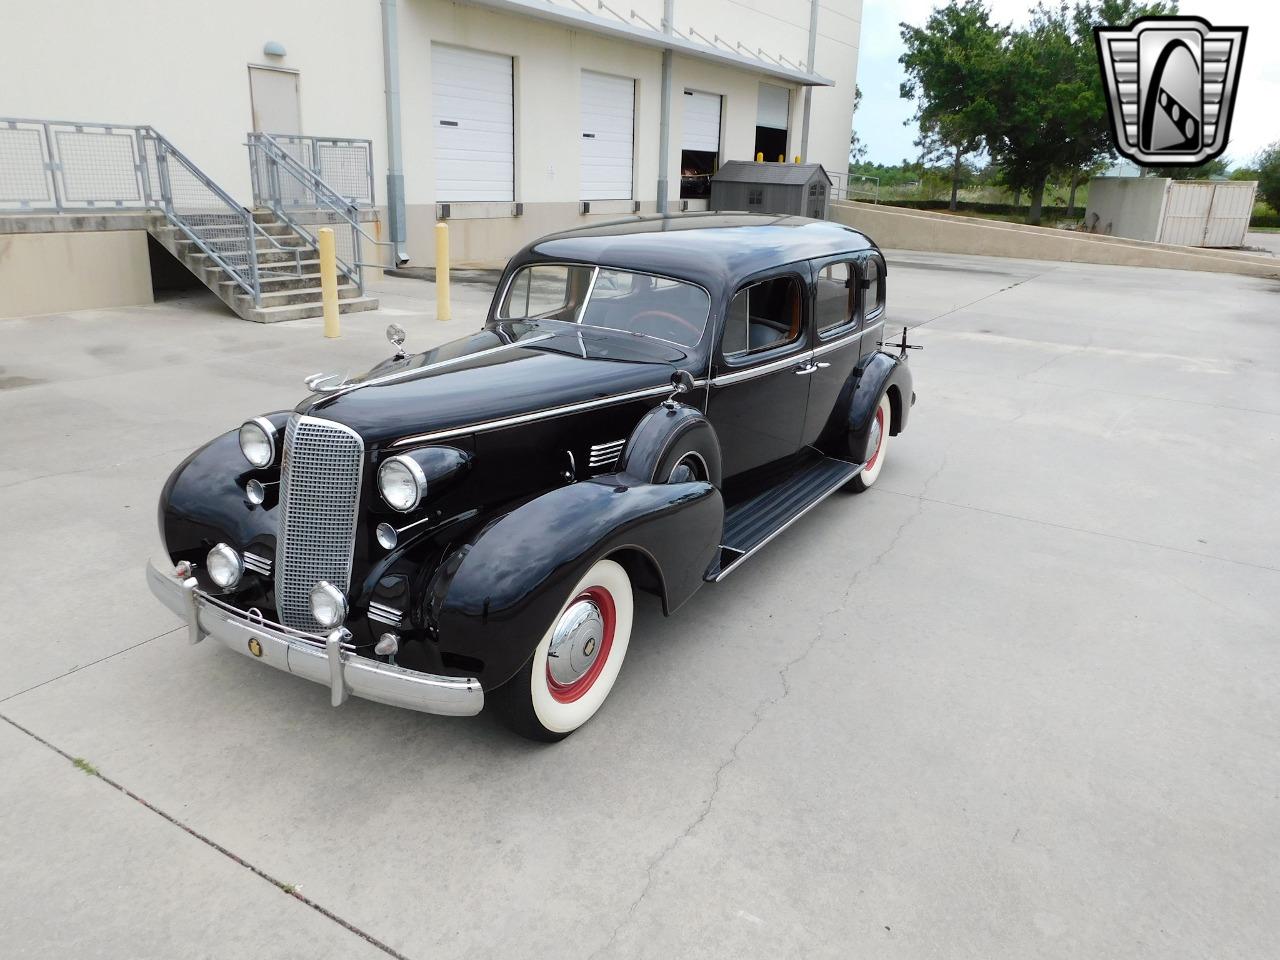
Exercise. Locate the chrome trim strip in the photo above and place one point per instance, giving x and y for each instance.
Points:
(546, 414)
(750, 553)
(258, 564)
(385, 614)
(342, 391)
(327, 660)
(792, 360)
(838, 344)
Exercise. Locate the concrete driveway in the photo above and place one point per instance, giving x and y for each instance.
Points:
(1018, 701)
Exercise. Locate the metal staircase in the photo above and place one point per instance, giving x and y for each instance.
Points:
(263, 264)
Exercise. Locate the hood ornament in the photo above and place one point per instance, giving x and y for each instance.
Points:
(396, 337)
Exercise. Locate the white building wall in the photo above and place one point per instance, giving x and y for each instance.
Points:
(183, 68)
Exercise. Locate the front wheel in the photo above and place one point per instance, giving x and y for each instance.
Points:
(575, 664)
(878, 444)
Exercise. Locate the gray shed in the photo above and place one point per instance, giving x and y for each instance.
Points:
(787, 188)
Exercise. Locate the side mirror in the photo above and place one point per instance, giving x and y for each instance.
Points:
(682, 381)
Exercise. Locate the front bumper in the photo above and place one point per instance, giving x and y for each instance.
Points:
(324, 659)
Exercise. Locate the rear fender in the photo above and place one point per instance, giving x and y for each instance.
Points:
(495, 597)
(881, 373)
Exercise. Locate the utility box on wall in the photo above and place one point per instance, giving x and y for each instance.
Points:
(802, 189)
(1196, 213)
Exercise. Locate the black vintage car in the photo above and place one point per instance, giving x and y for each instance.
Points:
(649, 404)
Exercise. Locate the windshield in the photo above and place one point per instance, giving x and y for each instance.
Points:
(639, 303)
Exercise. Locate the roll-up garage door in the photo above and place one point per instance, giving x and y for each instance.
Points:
(473, 116)
(701, 122)
(608, 118)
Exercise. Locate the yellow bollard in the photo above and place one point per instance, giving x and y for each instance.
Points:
(782, 158)
(797, 158)
(442, 271)
(760, 157)
(329, 282)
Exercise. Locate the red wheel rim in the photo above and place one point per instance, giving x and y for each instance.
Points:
(879, 438)
(569, 692)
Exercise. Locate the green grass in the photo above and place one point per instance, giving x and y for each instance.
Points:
(1264, 229)
(80, 763)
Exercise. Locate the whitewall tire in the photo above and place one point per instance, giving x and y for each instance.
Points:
(577, 661)
(877, 445)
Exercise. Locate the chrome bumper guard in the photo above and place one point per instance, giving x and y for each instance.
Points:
(322, 659)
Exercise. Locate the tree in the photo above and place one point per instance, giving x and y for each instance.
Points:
(857, 149)
(1051, 109)
(1211, 168)
(1268, 167)
(951, 64)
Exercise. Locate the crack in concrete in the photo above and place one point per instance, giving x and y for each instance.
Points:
(762, 709)
(288, 889)
(92, 663)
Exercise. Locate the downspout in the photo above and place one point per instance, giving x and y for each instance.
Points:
(395, 161)
(808, 91)
(664, 123)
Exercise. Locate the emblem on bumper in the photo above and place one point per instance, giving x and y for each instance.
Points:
(255, 647)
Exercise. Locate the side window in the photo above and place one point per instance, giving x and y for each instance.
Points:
(837, 297)
(875, 286)
(763, 316)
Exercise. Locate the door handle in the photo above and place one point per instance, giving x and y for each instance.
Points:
(822, 364)
(807, 369)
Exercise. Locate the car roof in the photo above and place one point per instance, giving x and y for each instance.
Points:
(715, 250)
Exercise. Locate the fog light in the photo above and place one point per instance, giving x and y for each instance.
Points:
(387, 536)
(255, 491)
(328, 605)
(183, 569)
(225, 566)
(387, 645)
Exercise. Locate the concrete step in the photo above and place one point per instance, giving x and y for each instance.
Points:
(313, 295)
(307, 311)
(273, 284)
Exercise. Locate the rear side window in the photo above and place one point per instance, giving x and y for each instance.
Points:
(763, 316)
(875, 286)
(836, 304)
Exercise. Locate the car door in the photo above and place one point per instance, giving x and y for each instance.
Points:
(838, 298)
(760, 371)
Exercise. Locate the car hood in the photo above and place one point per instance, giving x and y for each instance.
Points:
(505, 370)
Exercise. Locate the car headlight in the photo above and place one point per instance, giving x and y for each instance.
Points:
(402, 483)
(225, 566)
(328, 605)
(258, 441)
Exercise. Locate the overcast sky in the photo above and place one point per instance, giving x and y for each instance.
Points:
(879, 120)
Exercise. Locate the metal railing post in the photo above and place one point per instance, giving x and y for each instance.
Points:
(54, 167)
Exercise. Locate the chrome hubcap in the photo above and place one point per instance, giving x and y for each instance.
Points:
(873, 442)
(575, 643)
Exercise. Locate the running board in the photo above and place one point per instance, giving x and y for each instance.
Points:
(753, 523)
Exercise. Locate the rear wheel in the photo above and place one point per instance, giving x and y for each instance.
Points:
(575, 664)
(877, 445)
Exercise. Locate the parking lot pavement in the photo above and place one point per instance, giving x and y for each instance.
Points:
(1018, 700)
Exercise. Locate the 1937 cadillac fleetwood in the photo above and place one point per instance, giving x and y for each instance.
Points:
(649, 404)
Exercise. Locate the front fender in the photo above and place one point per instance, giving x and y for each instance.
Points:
(495, 597)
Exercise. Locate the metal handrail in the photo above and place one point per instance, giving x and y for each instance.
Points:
(264, 147)
(67, 166)
(164, 150)
(312, 149)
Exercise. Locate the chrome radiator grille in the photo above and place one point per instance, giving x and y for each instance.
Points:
(319, 504)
